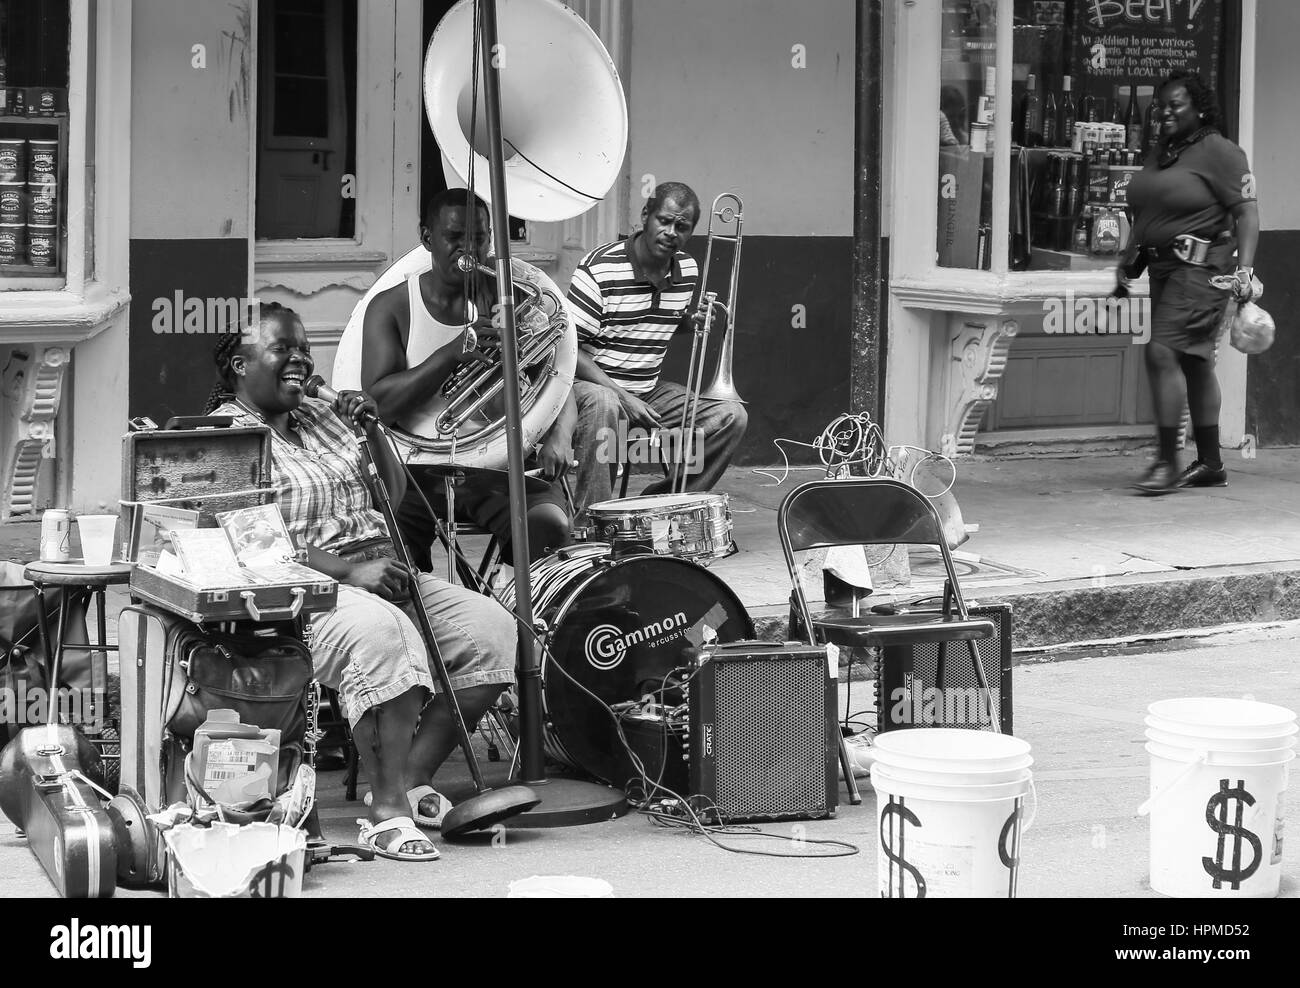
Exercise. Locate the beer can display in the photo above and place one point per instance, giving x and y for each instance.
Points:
(43, 162)
(42, 245)
(56, 536)
(13, 203)
(13, 159)
(43, 204)
(13, 243)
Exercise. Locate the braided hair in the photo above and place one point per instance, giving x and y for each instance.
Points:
(228, 347)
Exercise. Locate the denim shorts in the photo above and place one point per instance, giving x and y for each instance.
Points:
(371, 650)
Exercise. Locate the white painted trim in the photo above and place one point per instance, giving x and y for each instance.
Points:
(388, 38)
(84, 306)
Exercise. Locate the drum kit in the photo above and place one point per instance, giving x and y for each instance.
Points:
(617, 610)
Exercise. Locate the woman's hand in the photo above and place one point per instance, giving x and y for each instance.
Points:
(356, 407)
(385, 578)
(1245, 290)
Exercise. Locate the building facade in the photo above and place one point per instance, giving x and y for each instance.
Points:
(278, 150)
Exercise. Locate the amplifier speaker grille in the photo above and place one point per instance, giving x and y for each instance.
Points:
(760, 739)
(907, 671)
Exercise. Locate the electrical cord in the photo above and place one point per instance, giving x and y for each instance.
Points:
(688, 818)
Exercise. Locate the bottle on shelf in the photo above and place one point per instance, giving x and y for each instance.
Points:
(981, 132)
(1090, 109)
(1031, 116)
(1051, 136)
(1133, 122)
(1117, 106)
(1067, 113)
(1152, 127)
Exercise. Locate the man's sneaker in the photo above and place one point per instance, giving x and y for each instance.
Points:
(1201, 474)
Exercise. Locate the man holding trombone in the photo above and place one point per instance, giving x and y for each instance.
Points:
(628, 300)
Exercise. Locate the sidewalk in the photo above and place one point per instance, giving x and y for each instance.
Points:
(1080, 556)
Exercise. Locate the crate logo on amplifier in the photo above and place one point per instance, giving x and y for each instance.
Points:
(607, 644)
(708, 740)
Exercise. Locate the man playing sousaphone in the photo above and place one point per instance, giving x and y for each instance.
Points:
(628, 300)
(412, 341)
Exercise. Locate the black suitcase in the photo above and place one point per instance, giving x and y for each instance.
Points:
(46, 790)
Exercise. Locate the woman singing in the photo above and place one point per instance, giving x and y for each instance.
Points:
(1194, 217)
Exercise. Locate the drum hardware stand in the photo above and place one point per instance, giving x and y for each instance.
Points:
(479, 812)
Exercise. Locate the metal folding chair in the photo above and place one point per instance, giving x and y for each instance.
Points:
(876, 511)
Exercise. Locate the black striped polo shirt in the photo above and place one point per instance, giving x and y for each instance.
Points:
(624, 322)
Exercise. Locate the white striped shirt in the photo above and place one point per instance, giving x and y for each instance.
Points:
(624, 322)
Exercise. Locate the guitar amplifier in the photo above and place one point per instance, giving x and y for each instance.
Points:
(763, 741)
(907, 694)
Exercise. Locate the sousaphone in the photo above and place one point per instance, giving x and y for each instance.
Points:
(564, 126)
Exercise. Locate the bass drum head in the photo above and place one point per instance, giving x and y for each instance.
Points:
(619, 636)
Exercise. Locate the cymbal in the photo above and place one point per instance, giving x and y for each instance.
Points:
(458, 473)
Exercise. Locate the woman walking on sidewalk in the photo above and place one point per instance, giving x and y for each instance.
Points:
(1194, 217)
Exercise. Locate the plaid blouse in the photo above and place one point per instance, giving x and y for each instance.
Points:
(320, 486)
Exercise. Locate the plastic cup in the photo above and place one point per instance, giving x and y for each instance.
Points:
(97, 538)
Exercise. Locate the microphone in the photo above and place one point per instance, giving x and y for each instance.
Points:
(315, 387)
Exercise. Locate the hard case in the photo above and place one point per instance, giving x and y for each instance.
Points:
(47, 794)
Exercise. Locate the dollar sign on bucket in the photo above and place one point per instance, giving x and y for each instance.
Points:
(905, 816)
(1216, 815)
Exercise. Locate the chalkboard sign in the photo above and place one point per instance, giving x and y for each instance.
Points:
(1120, 43)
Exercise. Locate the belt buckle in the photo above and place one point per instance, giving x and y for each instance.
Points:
(1182, 249)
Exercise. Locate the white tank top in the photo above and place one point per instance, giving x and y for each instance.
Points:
(427, 334)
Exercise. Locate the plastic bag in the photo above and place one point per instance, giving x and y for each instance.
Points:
(1252, 329)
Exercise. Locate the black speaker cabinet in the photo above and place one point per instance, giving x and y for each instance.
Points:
(763, 738)
(908, 696)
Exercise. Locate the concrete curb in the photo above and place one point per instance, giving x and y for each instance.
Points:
(1070, 611)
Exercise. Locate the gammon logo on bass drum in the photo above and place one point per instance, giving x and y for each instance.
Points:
(606, 644)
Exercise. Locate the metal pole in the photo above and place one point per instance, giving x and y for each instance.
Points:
(867, 339)
(532, 765)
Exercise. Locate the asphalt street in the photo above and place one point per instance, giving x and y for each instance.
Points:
(1082, 713)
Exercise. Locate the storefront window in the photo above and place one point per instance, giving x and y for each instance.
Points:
(33, 140)
(1082, 115)
(967, 118)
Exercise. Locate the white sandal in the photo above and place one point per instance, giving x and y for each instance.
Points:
(406, 834)
(416, 796)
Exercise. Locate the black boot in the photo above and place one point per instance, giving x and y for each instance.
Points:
(1201, 474)
(1161, 478)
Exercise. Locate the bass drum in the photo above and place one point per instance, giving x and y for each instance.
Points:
(617, 628)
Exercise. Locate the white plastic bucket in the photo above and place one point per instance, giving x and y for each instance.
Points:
(953, 772)
(1182, 740)
(1263, 756)
(972, 787)
(1218, 797)
(560, 887)
(949, 821)
(1222, 717)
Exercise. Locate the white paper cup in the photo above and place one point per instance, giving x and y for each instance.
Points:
(97, 538)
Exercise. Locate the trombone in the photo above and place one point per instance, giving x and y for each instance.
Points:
(727, 211)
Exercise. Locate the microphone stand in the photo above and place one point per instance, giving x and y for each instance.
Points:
(489, 806)
(566, 802)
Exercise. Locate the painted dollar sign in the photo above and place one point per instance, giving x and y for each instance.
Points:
(896, 808)
(1216, 815)
(1009, 847)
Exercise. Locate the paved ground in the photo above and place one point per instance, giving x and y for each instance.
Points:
(1082, 717)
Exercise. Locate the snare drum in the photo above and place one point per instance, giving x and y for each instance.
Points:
(689, 526)
(617, 628)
